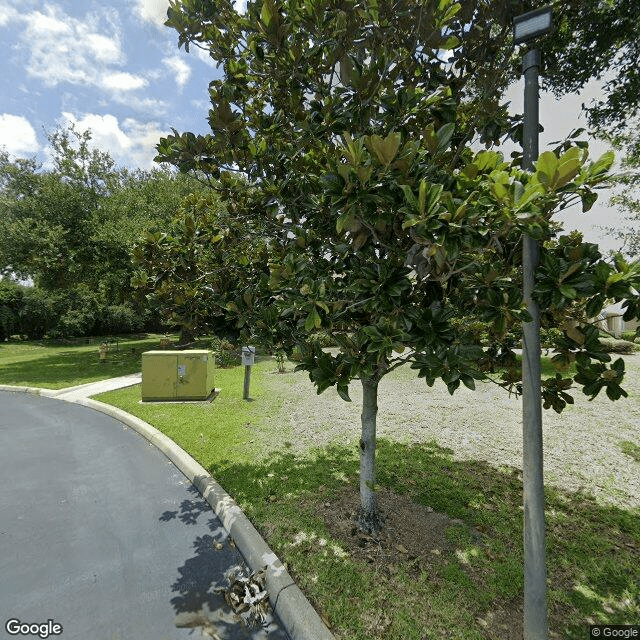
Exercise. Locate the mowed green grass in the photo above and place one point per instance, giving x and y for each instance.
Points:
(224, 431)
(56, 365)
(593, 548)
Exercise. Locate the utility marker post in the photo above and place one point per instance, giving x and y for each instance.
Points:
(248, 356)
(528, 27)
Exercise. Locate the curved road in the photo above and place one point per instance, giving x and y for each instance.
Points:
(100, 533)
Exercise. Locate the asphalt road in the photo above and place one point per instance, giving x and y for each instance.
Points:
(102, 535)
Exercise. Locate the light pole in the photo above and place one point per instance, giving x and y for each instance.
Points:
(527, 27)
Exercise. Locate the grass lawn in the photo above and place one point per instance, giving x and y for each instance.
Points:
(56, 365)
(464, 578)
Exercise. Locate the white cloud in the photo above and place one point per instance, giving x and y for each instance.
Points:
(67, 49)
(180, 68)
(130, 143)
(17, 135)
(7, 14)
(203, 55)
(121, 81)
(154, 11)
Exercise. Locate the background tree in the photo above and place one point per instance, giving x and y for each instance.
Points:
(70, 229)
(351, 133)
(627, 198)
(595, 39)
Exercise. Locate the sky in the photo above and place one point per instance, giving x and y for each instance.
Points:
(114, 68)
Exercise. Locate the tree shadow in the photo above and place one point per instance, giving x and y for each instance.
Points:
(199, 601)
(593, 549)
(65, 366)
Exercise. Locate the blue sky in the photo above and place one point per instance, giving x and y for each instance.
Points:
(113, 67)
(108, 66)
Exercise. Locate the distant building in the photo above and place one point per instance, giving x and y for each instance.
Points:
(610, 319)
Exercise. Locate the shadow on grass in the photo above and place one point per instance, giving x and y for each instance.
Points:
(593, 550)
(60, 366)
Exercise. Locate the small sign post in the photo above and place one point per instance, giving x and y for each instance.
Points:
(248, 357)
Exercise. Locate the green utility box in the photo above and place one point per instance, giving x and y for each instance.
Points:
(177, 375)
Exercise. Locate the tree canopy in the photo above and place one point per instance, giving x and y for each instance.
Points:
(597, 39)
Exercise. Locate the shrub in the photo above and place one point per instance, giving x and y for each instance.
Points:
(120, 318)
(631, 336)
(296, 354)
(227, 355)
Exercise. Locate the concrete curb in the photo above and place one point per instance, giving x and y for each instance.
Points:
(299, 618)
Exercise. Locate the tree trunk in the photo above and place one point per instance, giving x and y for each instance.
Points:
(187, 336)
(369, 519)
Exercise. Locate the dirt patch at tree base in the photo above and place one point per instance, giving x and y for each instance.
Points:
(414, 540)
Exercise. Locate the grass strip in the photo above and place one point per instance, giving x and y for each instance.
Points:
(56, 365)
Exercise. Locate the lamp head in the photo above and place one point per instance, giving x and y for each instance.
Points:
(532, 24)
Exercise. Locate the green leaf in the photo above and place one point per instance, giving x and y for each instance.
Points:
(422, 195)
(385, 149)
(602, 164)
(444, 135)
(451, 43)
(343, 392)
(546, 168)
(410, 196)
(568, 167)
(267, 12)
(588, 200)
(568, 292)
(346, 70)
(313, 320)
(468, 381)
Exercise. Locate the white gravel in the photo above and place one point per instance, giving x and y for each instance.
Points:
(581, 445)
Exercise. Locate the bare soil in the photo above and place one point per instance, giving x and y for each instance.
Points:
(413, 535)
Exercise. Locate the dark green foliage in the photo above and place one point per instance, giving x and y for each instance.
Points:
(38, 314)
(71, 229)
(387, 231)
(227, 355)
(120, 319)
(10, 305)
(595, 39)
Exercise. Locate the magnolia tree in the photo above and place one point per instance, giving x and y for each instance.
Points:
(342, 130)
(203, 261)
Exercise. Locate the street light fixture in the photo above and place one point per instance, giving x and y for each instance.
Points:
(531, 25)
(526, 28)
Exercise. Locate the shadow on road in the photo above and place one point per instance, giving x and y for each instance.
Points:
(202, 579)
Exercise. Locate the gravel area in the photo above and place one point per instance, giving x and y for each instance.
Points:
(581, 445)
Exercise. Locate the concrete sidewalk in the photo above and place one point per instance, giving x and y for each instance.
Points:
(94, 388)
(294, 611)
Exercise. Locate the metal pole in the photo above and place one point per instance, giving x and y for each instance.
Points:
(247, 382)
(535, 572)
